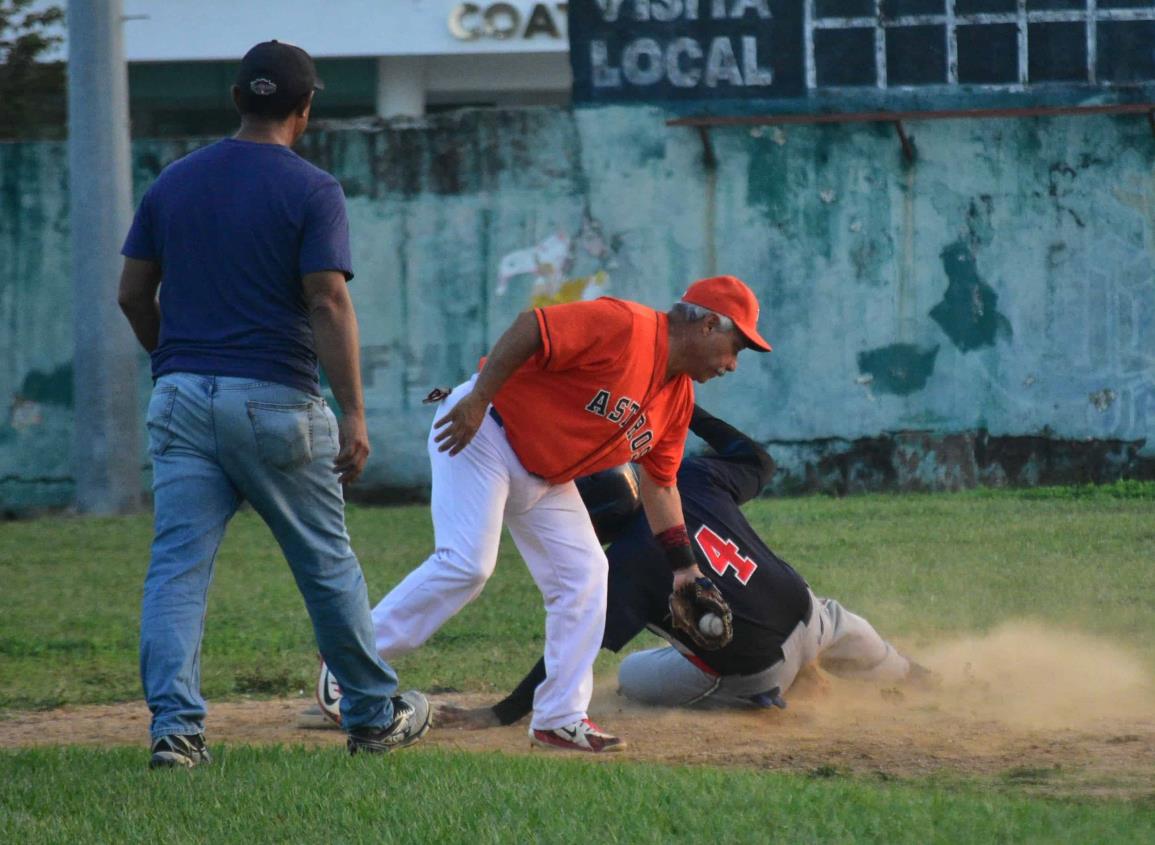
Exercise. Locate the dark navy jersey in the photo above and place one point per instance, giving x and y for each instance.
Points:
(767, 596)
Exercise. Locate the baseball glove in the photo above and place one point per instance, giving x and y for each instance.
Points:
(694, 601)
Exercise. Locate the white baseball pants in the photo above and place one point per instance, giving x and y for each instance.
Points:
(472, 493)
(842, 642)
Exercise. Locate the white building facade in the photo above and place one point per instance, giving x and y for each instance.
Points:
(428, 53)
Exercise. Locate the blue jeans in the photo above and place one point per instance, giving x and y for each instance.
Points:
(216, 442)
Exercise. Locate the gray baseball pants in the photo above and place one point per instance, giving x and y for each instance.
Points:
(842, 642)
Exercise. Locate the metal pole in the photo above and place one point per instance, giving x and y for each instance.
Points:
(106, 454)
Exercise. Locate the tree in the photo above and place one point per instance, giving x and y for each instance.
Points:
(32, 92)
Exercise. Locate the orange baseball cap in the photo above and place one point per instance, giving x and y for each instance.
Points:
(730, 297)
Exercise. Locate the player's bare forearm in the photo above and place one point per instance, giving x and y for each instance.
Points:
(337, 337)
(516, 346)
(337, 340)
(145, 322)
(136, 297)
(663, 506)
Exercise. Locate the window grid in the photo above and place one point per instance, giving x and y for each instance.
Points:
(1092, 39)
(1090, 16)
(879, 46)
(952, 43)
(808, 45)
(1023, 57)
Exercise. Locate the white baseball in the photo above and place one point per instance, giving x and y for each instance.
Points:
(711, 625)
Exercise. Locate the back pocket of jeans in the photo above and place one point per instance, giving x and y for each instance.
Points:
(282, 433)
(159, 419)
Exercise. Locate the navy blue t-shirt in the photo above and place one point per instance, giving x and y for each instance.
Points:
(235, 226)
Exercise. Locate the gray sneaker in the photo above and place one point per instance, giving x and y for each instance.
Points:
(179, 751)
(411, 721)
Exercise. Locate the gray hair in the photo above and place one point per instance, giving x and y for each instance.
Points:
(690, 312)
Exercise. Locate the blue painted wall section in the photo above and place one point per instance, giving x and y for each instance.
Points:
(983, 315)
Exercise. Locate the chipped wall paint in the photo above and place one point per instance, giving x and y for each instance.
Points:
(983, 315)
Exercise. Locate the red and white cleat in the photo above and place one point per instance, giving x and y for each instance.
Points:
(580, 736)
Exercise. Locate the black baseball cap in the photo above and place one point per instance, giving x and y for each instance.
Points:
(278, 74)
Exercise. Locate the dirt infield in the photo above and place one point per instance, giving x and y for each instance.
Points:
(1028, 707)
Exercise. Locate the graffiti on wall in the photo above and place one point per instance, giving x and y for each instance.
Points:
(25, 414)
(561, 268)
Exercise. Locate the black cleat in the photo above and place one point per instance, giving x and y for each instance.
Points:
(179, 751)
(411, 720)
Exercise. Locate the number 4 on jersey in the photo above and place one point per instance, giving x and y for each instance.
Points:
(723, 554)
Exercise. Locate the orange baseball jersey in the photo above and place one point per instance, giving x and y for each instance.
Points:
(596, 394)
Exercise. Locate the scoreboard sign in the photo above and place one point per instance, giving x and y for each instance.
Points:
(859, 55)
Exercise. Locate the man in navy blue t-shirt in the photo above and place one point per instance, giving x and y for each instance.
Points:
(248, 244)
(780, 626)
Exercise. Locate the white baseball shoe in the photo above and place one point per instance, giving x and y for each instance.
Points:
(580, 736)
(329, 695)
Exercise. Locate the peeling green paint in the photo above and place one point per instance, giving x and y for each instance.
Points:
(54, 388)
(900, 368)
(798, 187)
(968, 312)
(767, 181)
(838, 237)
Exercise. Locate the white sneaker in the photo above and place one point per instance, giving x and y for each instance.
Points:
(580, 736)
(329, 695)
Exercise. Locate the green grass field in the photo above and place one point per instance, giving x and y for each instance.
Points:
(923, 567)
(291, 795)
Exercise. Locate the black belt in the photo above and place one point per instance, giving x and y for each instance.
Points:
(496, 416)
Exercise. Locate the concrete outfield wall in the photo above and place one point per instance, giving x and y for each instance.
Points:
(984, 315)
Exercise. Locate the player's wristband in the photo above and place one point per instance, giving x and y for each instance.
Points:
(675, 542)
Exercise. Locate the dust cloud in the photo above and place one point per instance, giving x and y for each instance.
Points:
(1030, 675)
